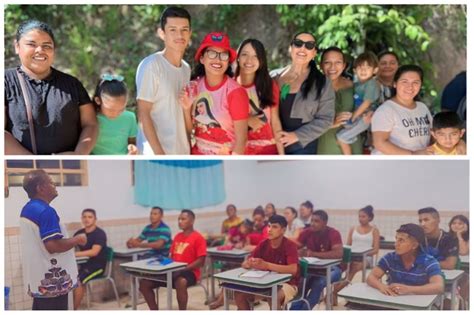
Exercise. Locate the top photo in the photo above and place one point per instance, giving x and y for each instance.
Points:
(235, 79)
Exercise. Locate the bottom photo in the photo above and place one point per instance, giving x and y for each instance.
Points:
(236, 235)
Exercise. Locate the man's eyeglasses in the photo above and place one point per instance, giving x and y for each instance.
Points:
(223, 56)
(298, 43)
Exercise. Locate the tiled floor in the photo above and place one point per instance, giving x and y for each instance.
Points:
(196, 301)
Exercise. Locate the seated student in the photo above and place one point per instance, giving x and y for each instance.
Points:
(459, 228)
(189, 246)
(156, 236)
(231, 221)
(269, 211)
(260, 229)
(439, 244)
(295, 225)
(95, 249)
(323, 242)
(237, 236)
(447, 131)
(306, 210)
(410, 270)
(277, 254)
(365, 235)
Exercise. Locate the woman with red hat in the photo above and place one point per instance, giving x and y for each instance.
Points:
(227, 101)
(264, 122)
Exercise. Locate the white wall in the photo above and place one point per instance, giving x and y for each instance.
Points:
(387, 185)
(110, 192)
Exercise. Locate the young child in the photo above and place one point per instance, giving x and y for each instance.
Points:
(117, 127)
(366, 93)
(447, 131)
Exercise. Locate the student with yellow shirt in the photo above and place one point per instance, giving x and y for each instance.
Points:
(447, 131)
(232, 219)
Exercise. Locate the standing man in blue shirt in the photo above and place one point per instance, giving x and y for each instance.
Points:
(49, 266)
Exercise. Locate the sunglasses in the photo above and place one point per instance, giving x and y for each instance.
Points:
(298, 43)
(223, 56)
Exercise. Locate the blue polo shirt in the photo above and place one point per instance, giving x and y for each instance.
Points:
(421, 271)
(151, 235)
(45, 217)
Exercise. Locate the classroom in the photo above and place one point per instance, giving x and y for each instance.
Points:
(124, 194)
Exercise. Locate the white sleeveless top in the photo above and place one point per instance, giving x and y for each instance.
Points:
(362, 239)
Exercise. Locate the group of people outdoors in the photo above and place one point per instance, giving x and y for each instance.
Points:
(229, 103)
(275, 242)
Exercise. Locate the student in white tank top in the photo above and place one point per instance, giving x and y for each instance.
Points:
(364, 234)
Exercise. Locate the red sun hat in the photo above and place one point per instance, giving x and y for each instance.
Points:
(216, 39)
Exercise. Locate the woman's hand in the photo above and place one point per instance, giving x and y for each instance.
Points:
(367, 117)
(185, 101)
(461, 148)
(287, 138)
(341, 118)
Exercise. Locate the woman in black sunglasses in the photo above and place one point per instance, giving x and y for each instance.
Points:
(306, 98)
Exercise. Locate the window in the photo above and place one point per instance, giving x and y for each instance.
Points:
(63, 172)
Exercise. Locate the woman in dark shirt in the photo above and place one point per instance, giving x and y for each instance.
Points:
(306, 98)
(63, 116)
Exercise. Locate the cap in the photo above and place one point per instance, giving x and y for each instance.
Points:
(216, 39)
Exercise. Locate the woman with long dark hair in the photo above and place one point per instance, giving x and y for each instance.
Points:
(264, 122)
(227, 101)
(306, 98)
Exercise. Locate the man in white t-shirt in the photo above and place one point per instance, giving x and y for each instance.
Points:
(160, 79)
(48, 262)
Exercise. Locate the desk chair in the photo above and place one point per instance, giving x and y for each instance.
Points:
(106, 276)
(346, 259)
(302, 285)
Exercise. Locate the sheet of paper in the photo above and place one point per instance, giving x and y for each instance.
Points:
(312, 259)
(255, 274)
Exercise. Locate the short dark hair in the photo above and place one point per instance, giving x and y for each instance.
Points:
(189, 212)
(157, 208)
(447, 120)
(90, 211)
(386, 52)
(32, 179)
(230, 205)
(278, 219)
(30, 25)
(369, 210)
(429, 210)
(171, 12)
(368, 57)
(308, 204)
(322, 214)
(258, 211)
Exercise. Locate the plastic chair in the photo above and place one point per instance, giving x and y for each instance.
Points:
(106, 276)
(303, 265)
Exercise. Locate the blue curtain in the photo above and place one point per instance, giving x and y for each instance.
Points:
(178, 184)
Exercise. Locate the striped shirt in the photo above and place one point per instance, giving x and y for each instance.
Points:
(424, 267)
(151, 235)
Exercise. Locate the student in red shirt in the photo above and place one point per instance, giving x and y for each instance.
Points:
(260, 229)
(277, 254)
(323, 242)
(188, 246)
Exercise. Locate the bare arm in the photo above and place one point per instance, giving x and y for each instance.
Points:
(463, 246)
(154, 245)
(146, 123)
(349, 236)
(449, 263)
(94, 251)
(361, 109)
(375, 281)
(292, 269)
(13, 147)
(198, 263)
(64, 244)
(276, 128)
(90, 130)
(240, 128)
(376, 242)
